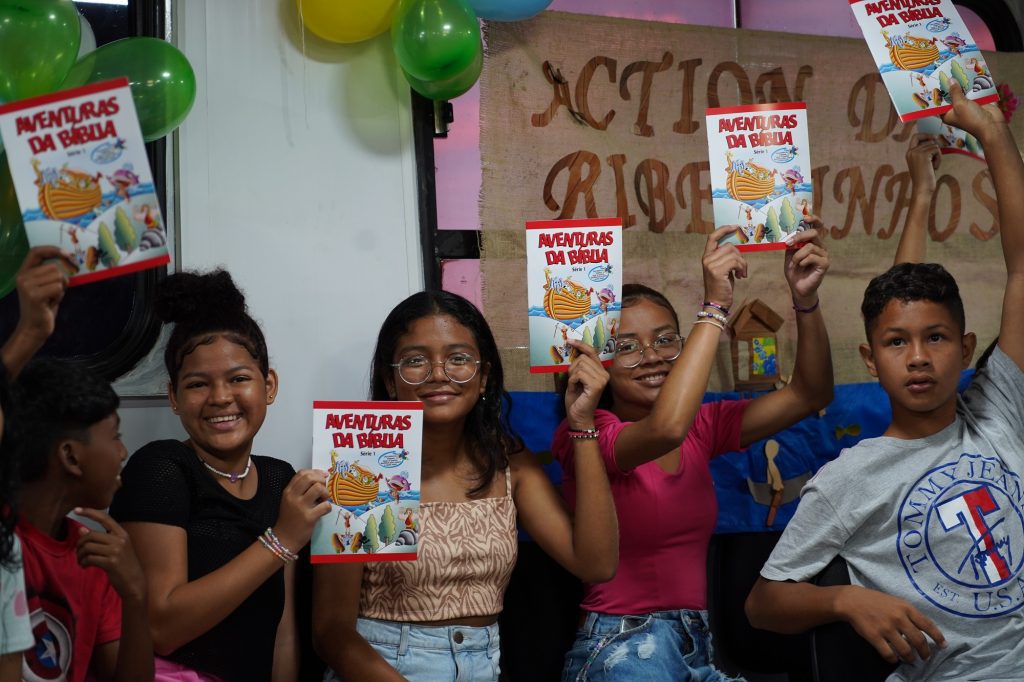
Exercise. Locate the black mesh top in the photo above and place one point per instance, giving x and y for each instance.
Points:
(164, 482)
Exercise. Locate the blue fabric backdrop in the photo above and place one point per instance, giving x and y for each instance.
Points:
(858, 411)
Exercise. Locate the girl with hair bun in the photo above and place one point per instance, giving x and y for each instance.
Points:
(217, 528)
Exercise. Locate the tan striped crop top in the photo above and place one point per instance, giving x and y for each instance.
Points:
(466, 554)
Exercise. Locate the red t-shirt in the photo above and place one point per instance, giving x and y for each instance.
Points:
(665, 519)
(73, 609)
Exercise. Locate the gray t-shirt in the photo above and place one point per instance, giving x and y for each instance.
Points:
(938, 521)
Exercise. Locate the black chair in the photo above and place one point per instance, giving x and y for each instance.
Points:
(838, 653)
(539, 619)
(734, 563)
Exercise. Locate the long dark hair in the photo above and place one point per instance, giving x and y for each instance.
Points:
(490, 438)
(203, 307)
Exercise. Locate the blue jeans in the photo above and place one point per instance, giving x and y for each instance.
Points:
(665, 645)
(433, 654)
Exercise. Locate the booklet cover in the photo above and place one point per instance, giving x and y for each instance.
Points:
(919, 47)
(80, 171)
(951, 140)
(372, 451)
(574, 283)
(760, 172)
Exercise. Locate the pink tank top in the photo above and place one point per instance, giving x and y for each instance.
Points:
(466, 554)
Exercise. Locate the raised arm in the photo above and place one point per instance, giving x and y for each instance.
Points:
(923, 158)
(181, 610)
(811, 387)
(41, 285)
(988, 125)
(665, 427)
(587, 543)
(335, 638)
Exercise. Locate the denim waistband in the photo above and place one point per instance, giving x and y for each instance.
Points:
(603, 623)
(447, 637)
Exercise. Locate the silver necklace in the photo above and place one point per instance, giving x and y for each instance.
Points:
(233, 477)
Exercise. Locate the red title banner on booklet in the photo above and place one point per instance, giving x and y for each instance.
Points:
(80, 171)
(372, 453)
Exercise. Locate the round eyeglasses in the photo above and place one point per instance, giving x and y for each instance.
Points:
(629, 352)
(458, 367)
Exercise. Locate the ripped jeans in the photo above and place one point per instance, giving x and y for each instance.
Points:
(664, 646)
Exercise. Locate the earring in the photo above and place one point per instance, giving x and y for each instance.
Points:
(483, 398)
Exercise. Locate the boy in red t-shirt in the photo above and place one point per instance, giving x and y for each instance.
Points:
(86, 591)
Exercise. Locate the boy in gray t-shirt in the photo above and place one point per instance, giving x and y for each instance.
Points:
(929, 517)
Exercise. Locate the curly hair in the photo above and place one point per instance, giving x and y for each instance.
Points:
(203, 307)
(54, 400)
(491, 439)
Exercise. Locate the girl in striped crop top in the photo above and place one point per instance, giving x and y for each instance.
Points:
(436, 617)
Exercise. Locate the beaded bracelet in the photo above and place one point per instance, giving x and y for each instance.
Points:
(809, 309)
(705, 315)
(270, 540)
(720, 308)
(713, 323)
(584, 434)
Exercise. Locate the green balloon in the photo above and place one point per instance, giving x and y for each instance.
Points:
(163, 82)
(435, 40)
(38, 44)
(449, 88)
(13, 240)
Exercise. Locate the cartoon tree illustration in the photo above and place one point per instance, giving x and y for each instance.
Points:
(371, 534)
(387, 531)
(587, 337)
(787, 219)
(109, 254)
(600, 335)
(958, 73)
(124, 231)
(771, 226)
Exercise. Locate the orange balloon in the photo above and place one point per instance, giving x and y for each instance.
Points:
(346, 21)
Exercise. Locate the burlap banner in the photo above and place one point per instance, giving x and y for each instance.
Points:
(593, 117)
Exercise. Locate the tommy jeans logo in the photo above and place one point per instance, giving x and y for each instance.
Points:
(961, 537)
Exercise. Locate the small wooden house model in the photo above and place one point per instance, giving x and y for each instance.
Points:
(754, 347)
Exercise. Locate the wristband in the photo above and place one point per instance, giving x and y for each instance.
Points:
(720, 308)
(584, 434)
(705, 315)
(713, 323)
(270, 540)
(809, 309)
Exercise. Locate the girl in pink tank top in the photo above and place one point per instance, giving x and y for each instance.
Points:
(656, 441)
(434, 619)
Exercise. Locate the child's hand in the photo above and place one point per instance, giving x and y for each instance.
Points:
(893, 626)
(113, 553)
(41, 286)
(722, 266)
(923, 159)
(806, 263)
(303, 502)
(587, 379)
(972, 117)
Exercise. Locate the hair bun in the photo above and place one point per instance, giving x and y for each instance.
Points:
(191, 296)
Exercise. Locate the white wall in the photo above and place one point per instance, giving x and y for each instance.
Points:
(296, 173)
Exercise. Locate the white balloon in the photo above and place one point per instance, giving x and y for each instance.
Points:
(88, 43)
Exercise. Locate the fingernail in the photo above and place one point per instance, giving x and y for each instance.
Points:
(78, 510)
